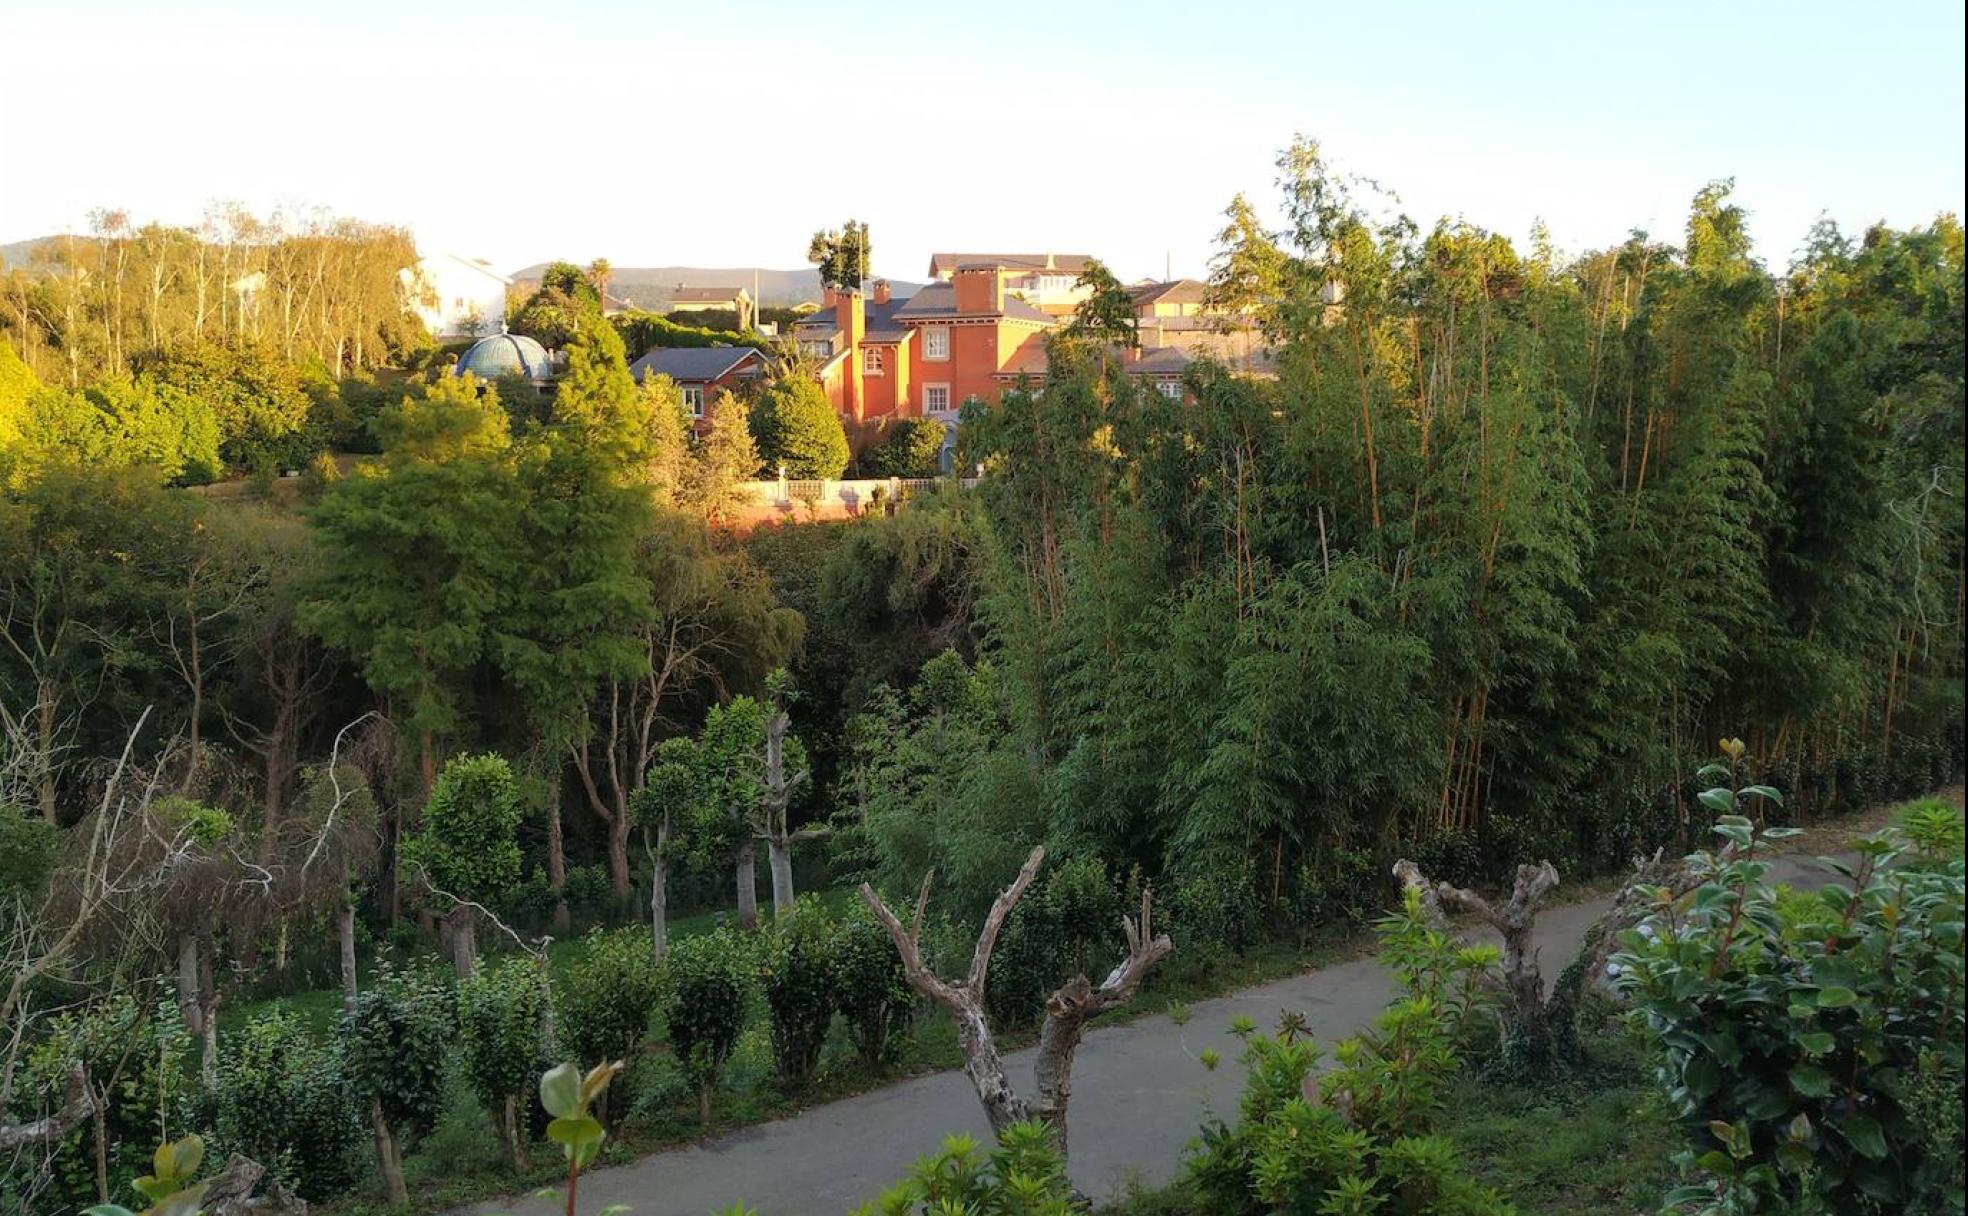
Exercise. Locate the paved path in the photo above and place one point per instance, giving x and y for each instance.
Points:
(1138, 1096)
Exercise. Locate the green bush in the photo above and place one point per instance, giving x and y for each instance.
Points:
(874, 991)
(1023, 1175)
(27, 854)
(802, 987)
(796, 426)
(710, 987)
(280, 1097)
(502, 1041)
(1213, 908)
(589, 891)
(909, 447)
(1795, 1033)
(396, 1040)
(1063, 928)
(605, 1000)
(1356, 1140)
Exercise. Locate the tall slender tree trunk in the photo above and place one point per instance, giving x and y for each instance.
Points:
(747, 875)
(345, 930)
(557, 868)
(779, 854)
(659, 907)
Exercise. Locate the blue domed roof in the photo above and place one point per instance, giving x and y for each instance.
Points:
(506, 355)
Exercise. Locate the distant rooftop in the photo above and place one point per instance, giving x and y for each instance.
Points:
(692, 364)
(941, 264)
(707, 295)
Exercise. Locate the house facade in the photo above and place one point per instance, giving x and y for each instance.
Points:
(883, 357)
(734, 300)
(702, 374)
(1046, 281)
(1176, 315)
(457, 297)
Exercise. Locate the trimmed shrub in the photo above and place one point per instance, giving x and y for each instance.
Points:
(280, 1097)
(873, 989)
(604, 1001)
(1064, 928)
(501, 1014)
(802, 988)
(710, 985)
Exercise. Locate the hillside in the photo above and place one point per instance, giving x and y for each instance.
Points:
(650, 286)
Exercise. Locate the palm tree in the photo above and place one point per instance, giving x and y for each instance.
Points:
(598, 272)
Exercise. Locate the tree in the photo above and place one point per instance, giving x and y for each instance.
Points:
(797, 428)
(395, 1041)
(909, 448)
(468, 848)
(782, 770)
(723, 460)
(1247, 275)
(842, 255)
(710, 985)
(1106, 316)
(668, 801)
(417, 557)
(1067, 1011)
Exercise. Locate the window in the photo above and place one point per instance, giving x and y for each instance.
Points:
(693, 399)
(936, 343)
(871, 361)
(819, 348)
(1172, 389)
(936, 400)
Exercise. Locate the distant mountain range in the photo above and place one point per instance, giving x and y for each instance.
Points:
(18, 253)
(650, 287)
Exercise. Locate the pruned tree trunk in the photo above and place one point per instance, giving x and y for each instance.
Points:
(1068, 1010)
(515, 1141)
(387, 1160)
(1520, 980)
(557, 868)
(779, 856)
(230, 1192)
(747, 876)
(462, 928)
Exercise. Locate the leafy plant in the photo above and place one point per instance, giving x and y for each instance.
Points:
(169, 1186)
(604, 1001)
(280, 1096)
(502, 1041)
(568, 1096)
(1022, 1175)
(1793, 1031)
(801, 975)
(873, 988)
(710, 986)
(396, 1038)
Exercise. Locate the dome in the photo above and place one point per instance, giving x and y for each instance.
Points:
(506, 355)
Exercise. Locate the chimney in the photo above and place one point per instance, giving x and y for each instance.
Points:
(978, 289)
(881, 291)
(852, 318)
(1050, 264)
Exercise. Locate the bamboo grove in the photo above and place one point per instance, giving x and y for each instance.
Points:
(1506, 545)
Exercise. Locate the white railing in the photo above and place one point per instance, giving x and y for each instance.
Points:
(854, 494)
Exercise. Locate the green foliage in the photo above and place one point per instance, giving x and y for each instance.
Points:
(395, 1041)
(1106, 316)
(710, 987)
(1357, 1139)
(467, 844)
(501, 1029)
(842, 255)
(280, 1097)
(169, 1186)
(1792, 1030)
(604, 1001)
(795, 426)
(1933, 827)
(137, 1057)
(801, 975)
(1022, 1175)
(909, 447)
(27, 854)
(1065, 928)
(874, 993)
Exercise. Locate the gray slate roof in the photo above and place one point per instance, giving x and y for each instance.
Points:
(692, 364)
(940, 300)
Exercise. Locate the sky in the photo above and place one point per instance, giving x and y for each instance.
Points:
(724, 133)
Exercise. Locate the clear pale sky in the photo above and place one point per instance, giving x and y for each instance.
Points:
(712, 133)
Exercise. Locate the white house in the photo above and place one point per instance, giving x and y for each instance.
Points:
(457, 297)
